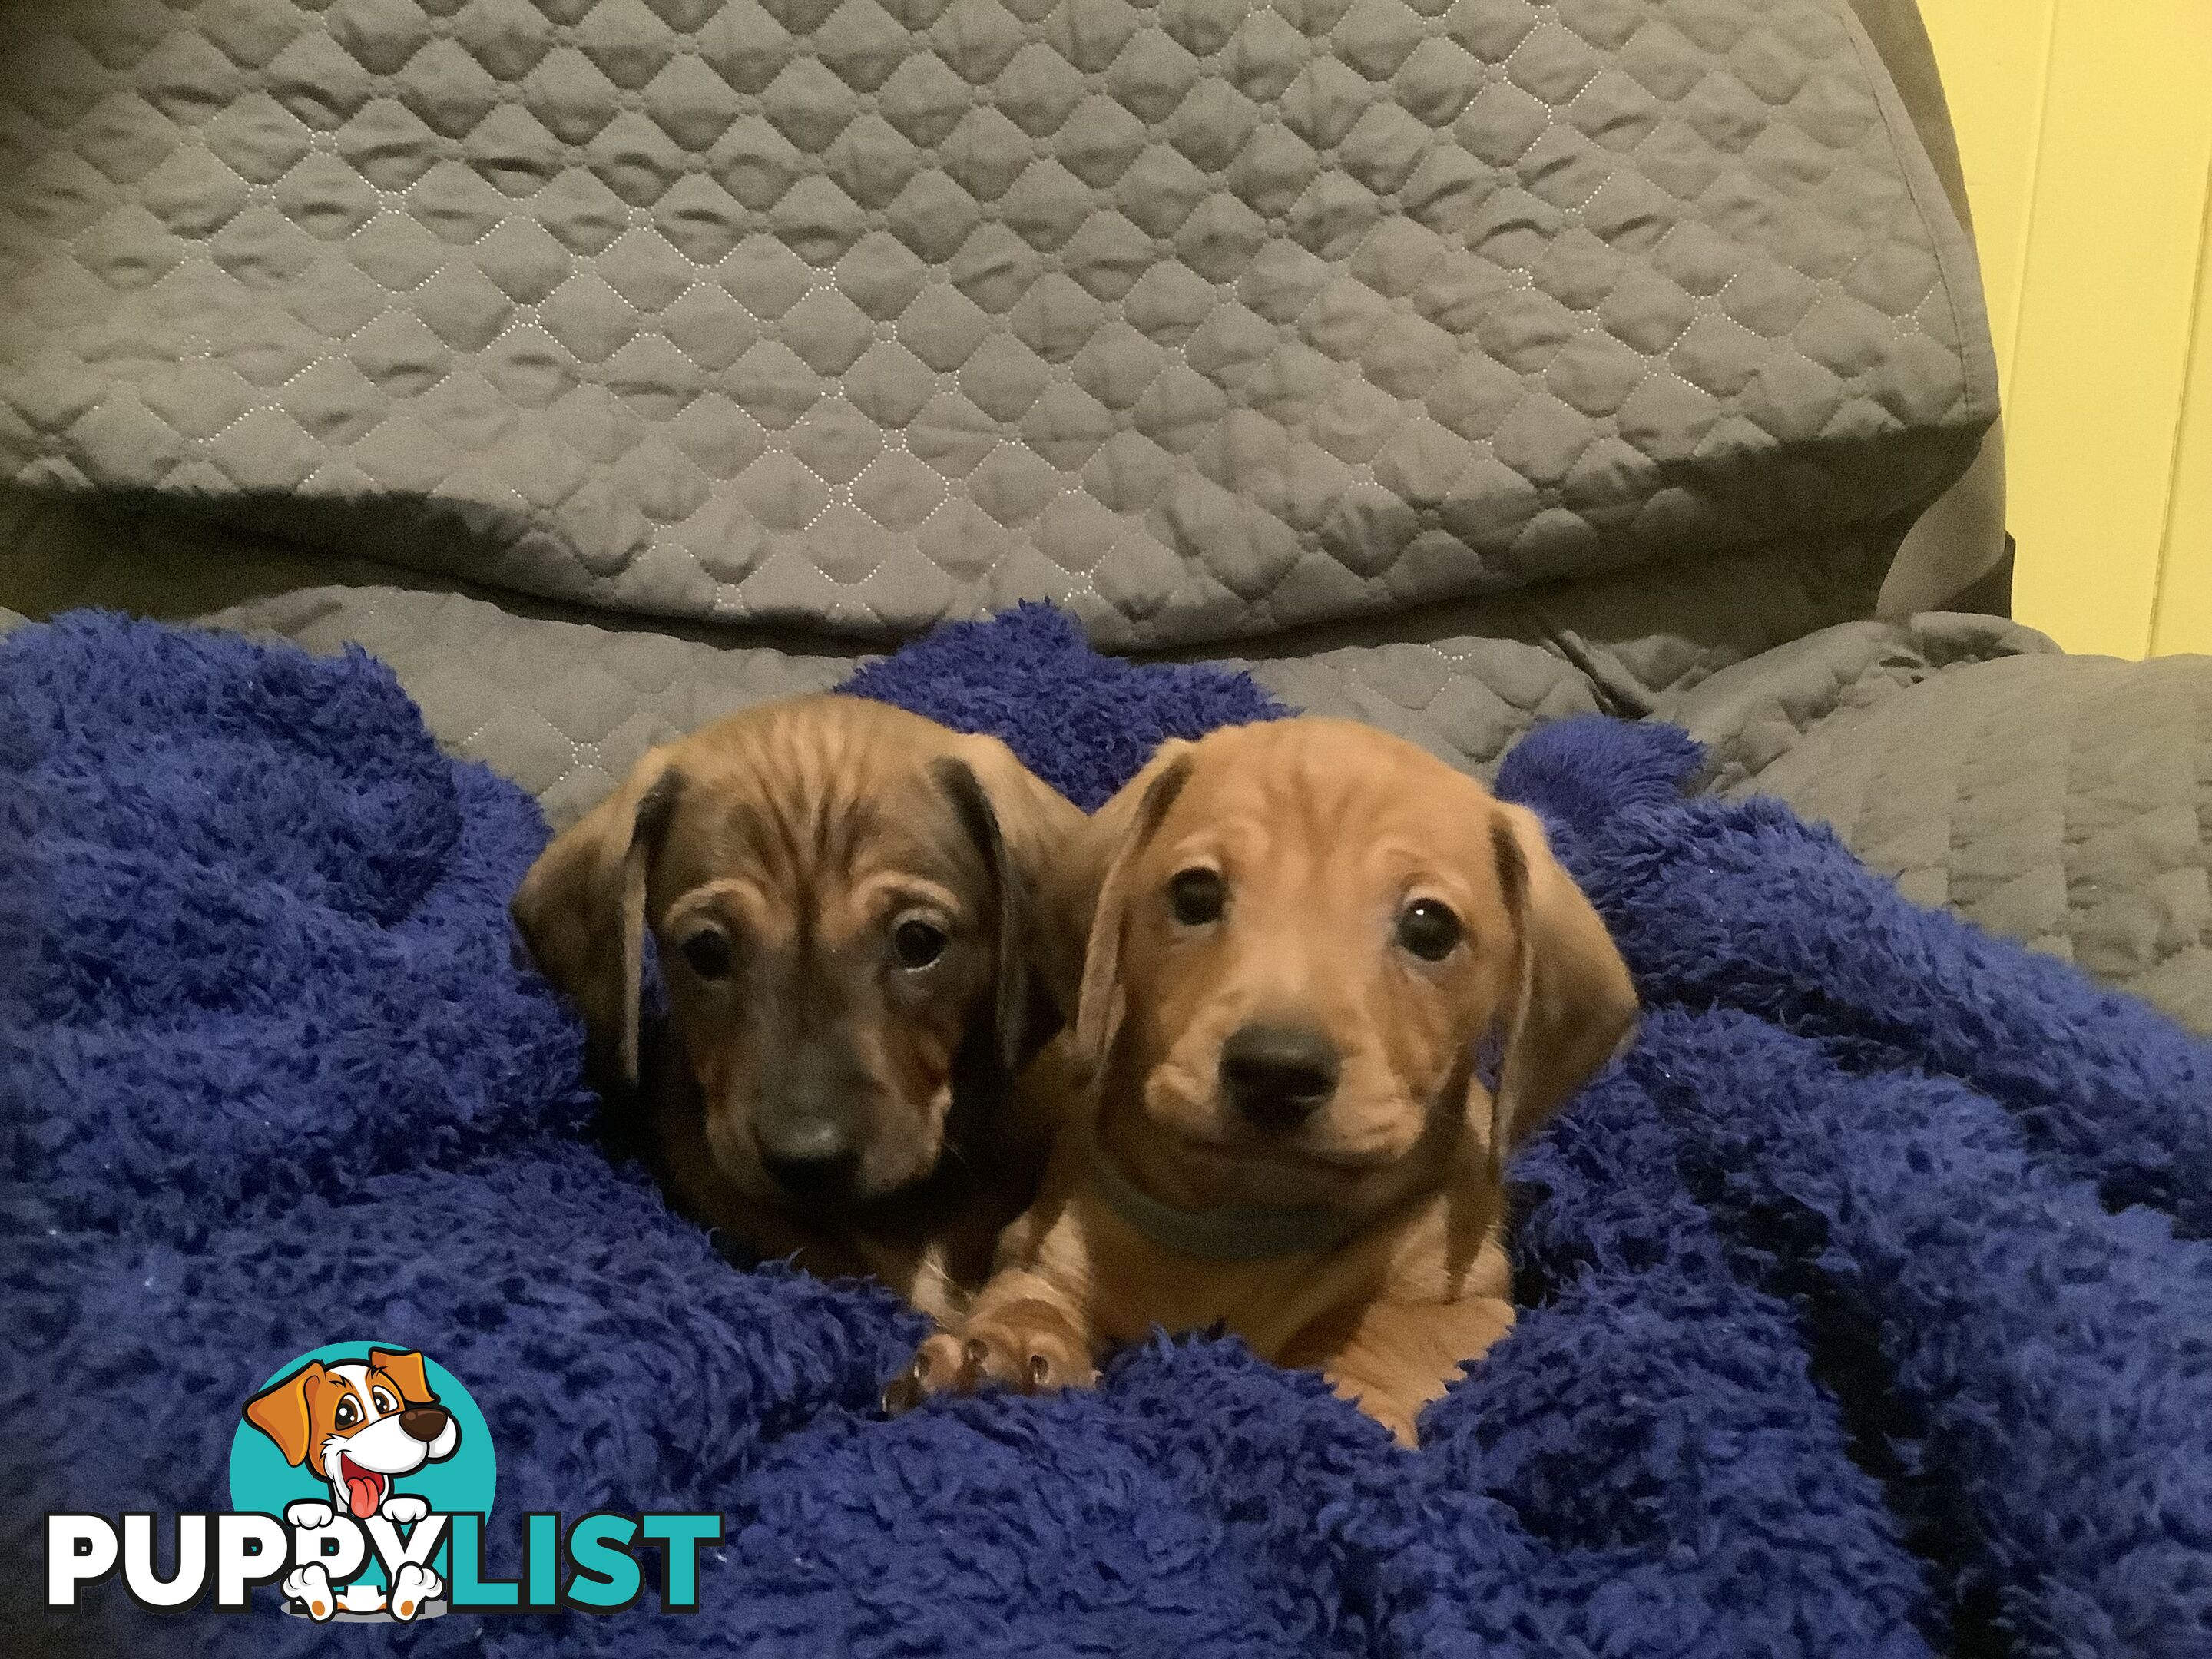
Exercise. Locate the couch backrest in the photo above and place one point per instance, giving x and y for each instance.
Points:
(1203, 319)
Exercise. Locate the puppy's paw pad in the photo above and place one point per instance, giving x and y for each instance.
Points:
(403, 1511)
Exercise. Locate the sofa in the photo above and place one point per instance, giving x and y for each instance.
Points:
(605, 364)
(473, 393)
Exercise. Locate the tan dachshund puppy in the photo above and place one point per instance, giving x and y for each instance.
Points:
(841, 897)
(1306, 934)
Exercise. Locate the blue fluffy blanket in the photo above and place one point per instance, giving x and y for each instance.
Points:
(1868, 1307)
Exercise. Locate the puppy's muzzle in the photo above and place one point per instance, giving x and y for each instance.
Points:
(809, 1129)
(814, 1160)
(1278, 1076)
(425, 1423)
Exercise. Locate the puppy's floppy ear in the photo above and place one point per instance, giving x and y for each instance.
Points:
(1019, 823)
(280, 1411)
(1573, 1002)
(1095, 894)
(581, 907)
(406, 1370)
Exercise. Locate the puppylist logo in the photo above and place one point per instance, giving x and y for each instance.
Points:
(361, 1476)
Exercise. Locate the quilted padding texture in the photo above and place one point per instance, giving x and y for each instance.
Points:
(2063, 801)
(565, 705)
(1200, 318)
(1465, 699)
(1750, 713)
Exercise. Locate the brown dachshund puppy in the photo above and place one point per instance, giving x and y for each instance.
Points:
(1306, 935)
(840, 894)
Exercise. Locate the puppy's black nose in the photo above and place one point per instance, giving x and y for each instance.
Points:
(1278, 1075)
(425, 1423)
(815, 1159)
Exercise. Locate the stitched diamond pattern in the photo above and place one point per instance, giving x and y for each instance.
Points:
(2065, 801)
(1201, 318)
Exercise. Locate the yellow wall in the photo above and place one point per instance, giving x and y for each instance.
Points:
(2085, 127)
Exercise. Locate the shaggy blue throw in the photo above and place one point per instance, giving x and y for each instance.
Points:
(1869, 1304)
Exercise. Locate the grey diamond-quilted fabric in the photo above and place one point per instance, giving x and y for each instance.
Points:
(1201, 318)
(1750, 713)
(1466, 698)
(2065, 801)
(563, 704)
(566, 704)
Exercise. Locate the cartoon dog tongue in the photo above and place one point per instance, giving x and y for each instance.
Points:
(363, 1489)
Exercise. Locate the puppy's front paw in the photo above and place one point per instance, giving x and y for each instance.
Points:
(403, 1511)
(307, 1514)
(412, 1586)
(310, 1586)
(1030, 1347)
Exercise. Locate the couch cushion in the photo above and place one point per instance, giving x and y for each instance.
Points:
(565, 699)
(1202, 319)
(2063, 801)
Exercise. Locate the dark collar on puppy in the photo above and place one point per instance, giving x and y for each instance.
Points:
(1234, 1233)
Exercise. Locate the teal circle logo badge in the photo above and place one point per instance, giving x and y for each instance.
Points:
(366, 1450)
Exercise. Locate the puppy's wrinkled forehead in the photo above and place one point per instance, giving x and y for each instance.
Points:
(813, 808)
(1292, 801)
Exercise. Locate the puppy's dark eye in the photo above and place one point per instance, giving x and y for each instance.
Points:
(709, 952)
(1428, 929)
(347, 1414)
(1197, 897)
(917, 943)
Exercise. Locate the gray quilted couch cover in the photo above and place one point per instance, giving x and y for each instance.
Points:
(605, 364)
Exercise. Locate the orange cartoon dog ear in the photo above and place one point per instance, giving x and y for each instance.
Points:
(280, 1411)
(406, 1370)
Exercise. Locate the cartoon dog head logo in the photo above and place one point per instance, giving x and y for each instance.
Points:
(357, 1426)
